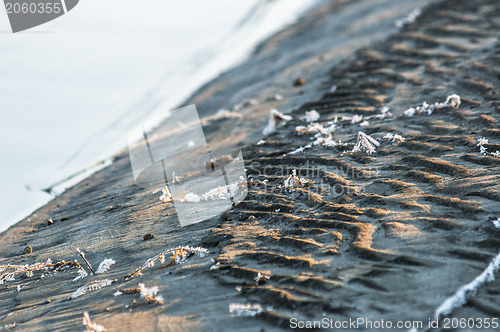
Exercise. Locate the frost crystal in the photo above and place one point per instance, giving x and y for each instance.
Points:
(165, 194)
(311, 116)
(175, 178)
(323, 133)
(262, 278)
(221, 192)
(326, 141)
(394, 138)
(276, 120)
(408, 19)
(469, 290)
(216, 266)
(483, 150)
(191, 197)
(8, 272)
(239, 309)
(149, 294)
(356, 118)
(365, 143)
(299, 150)
(105, 265)
(90, 325)
(81, 274)
(92, 286)
(482, 141)
(179, 256)
(8, 326)
(452, 101)
(465, 292)
(314, 128)
(293, 181)
(79, 292)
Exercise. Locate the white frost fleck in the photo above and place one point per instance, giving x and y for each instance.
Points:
(240, 309)
(310, 116)
(276, 120)
(165, 194)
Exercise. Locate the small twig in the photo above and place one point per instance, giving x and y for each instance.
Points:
(131, 290)
(148, 294)
(179, 254)
(82, 254)
(90, 325)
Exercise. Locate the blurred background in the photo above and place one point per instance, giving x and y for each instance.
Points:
(72, 89)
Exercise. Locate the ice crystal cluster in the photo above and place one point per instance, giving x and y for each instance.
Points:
(239, 309)
(356, 118)
(496, 222)
(310, 116)
(90, 325)
(452, 101)
(105, 265)
(322, 133)
(8, 326)
(394, 138)
(9, 272)
(95, 285)
(179, 255)
(293, 181)
(276, 120)
(365, 143)
(411, 17)
(299, 150)
(81, 274)
(149, 294)
(483, 150)
(221, 192)
(467, 291)
(262, 278)
(165, 195)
